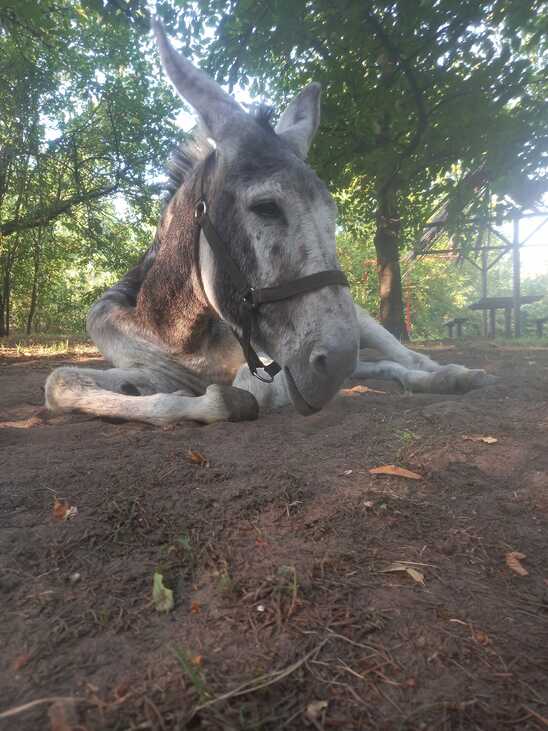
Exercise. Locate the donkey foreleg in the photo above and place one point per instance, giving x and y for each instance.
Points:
(374, 335)
(268, 395)
(447, 379)
(105, 394)
(414, 371)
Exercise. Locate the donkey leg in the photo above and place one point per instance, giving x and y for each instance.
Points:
(447, 379)
(114, 393)
(415, 371)
(374, 335)
(268, 395)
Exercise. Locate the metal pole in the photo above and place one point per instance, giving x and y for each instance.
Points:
(516, 270)
(484, 275)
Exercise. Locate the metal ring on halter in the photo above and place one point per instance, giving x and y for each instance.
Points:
(247, 298)
(270, 378)
(200, 209)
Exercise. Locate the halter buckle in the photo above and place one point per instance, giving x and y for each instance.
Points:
(247, 299)
(200, 209)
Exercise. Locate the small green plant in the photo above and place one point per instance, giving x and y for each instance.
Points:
(184, 540)
(162, 596)
(226, 583)
(191, 667)
(185, 546)
(406, 437)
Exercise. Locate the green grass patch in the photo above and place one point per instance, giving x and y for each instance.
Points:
(46, 345)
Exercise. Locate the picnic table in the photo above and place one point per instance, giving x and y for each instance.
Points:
(457, 322)
(492, 304)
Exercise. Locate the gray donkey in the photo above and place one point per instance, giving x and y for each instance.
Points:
(243, 261)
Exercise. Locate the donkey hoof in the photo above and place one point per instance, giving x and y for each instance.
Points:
(471, 378)
(480, 379)
(240, 405)
(458, 379)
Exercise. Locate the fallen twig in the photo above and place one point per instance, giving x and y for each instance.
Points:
(263, 681)
(536, 716)
(38, 702)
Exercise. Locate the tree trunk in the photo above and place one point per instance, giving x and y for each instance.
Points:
(5, 307)
(33, 298)
(387, 239)
(35, 275)
(2, 329)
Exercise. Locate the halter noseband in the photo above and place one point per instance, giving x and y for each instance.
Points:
(250, 299)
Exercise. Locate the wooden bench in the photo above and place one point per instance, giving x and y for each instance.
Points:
(457, 322)
(492, 304)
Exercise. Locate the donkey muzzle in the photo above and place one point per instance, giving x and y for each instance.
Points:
(315, 375)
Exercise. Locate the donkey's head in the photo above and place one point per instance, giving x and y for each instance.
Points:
(276, 220)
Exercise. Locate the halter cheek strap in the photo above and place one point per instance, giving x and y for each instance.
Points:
(249, 298)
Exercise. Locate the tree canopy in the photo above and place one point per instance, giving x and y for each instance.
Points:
(416, 97)
(423, 102)
(85, 117)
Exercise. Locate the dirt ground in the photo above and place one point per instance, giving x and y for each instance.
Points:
(308, 593)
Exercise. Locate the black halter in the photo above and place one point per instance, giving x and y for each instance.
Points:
(249, 298)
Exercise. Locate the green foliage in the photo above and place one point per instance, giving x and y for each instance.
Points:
(410, 89)
(85, 122)
(416, 95)
(435, 289)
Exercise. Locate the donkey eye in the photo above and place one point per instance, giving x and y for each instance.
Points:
(267, 209)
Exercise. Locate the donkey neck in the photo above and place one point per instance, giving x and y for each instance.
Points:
(171, 302)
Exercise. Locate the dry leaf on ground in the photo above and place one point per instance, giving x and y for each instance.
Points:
(360, 389)
(195, 608)
(391, 469)
(485, 440)
(20, 662)
(162, 597)
(122, 690)
(197, 458)
(315, 710)
(63, 511)
(513, 561)
(416, 575)
(482, 638)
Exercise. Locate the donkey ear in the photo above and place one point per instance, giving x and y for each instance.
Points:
(300, 121)
(211, 102)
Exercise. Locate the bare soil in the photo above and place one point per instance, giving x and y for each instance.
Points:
(285, 616)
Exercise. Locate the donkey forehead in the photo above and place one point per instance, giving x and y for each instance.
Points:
(260, 162)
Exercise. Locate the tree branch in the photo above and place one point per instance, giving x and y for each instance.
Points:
(42, 217)
(422, 116)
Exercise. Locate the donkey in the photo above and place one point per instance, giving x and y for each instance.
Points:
(243, 261)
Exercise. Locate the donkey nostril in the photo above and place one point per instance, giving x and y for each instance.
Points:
(319, 362)
(333, 360)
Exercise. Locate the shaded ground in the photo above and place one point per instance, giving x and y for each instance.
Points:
(276, 553)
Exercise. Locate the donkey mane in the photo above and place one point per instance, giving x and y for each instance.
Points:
(190, 153)
(197, 147)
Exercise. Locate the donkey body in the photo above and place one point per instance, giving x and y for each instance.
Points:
(173, 327)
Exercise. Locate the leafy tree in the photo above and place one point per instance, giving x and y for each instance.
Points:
(416, 96)
(85, 117)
